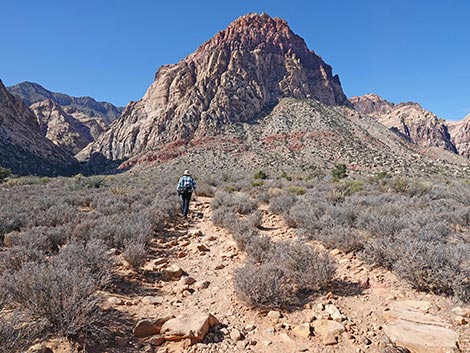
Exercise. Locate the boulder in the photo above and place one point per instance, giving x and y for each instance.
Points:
(327, 328)
(173, 272)
(193, 327)
(147, 327)
(302, 330)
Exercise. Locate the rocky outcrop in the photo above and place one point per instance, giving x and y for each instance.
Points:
(410, 120)
(72, 132)
(235, 77)
(23, 148)
(460, 133)
(31, 93)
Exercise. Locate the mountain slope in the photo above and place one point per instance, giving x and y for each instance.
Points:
(23, 148)
(460, 132)
(408, 119)
(304, 137)
(31, 93)
(71, 132)
(237, 76)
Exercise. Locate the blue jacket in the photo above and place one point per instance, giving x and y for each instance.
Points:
(186, 181)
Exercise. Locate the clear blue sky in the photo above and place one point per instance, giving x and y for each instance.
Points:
(403, 50)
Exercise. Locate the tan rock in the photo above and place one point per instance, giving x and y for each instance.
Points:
(465, 312)
(147, 327)
(422, 338)
(156, 340)
(187, 280)
(202, 285)
(151, 300)
(193, 327)
(115, 301)
(327, 327)
(302, 330)
(40, 348)
(329, 339)
(274, 315)
(173, 272)
(236, 335)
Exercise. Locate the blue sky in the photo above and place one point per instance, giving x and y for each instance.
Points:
(403, 50)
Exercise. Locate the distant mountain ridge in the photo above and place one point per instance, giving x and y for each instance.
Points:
(31, 93)
(409, 119)
(23, 147)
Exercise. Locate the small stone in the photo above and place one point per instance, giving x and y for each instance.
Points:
(173, 272)
(225, 331)
(465, 312)
(219, 267)
(365, 340)
(267, 343)
(182, 254)
(329, 339)
(115, 301)
(302, 330)
(236, 335)
(149, 300)
(203, 248)
(364, 282)
(148, 349)
(274, 315)
(187, 280)
(202, 285)
(195, 233)
(459, 320)
(156, 340)
(160, 261)
(40, 348)
(250, 327)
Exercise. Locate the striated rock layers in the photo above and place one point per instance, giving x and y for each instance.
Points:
(72, 132)
(23, 148)
(31, 93)
(237, 76)
(408, 119)
(460, 132)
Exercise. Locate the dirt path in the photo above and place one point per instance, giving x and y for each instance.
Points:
(209, 256)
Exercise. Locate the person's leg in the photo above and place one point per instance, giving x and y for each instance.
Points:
(186, 198)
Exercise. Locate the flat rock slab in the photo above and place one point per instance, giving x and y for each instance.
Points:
(327, 328)
(193, 327)
(410, 326)
(419, 338)
(146, 327)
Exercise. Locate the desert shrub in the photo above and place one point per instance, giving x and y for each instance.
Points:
(260, 175)
(287, 271)
(15, 257)
(91, 182)
(340, 237)
(243, 232)
(223, 216)
(259, 248)
(433, 266)
(263, 197)
(265, 285)
(256, 219)
(282, 203)
(62, 296)
(239, 202)
(296, 190)
(409, 187)
(349, 187)
(284, 175)
(17, 332)
(339, 171)
(4, 173)
(206, 189)
(256, 183)
(135, 253)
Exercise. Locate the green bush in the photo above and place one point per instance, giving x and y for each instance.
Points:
(339, 171)
(260, 175)
(4, 173)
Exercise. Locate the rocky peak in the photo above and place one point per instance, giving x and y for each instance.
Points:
(409, 119)
(371, 104)
(237, 76)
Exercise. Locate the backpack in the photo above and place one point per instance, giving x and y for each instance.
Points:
(186, 188)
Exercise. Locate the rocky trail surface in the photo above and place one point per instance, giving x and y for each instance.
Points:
(183, 300)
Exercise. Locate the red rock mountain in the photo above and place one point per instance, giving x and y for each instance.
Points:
(23, 148)
(237, 76)
(408, 119)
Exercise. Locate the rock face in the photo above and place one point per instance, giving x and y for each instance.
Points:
(410, 120)
(23, 148)
(460, 133)
(31, 93)
(71, 132)
(236, 77)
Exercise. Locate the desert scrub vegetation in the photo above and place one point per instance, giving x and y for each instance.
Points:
(276, 274)
(55, 256)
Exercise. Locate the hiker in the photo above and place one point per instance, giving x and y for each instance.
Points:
(185, 188)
